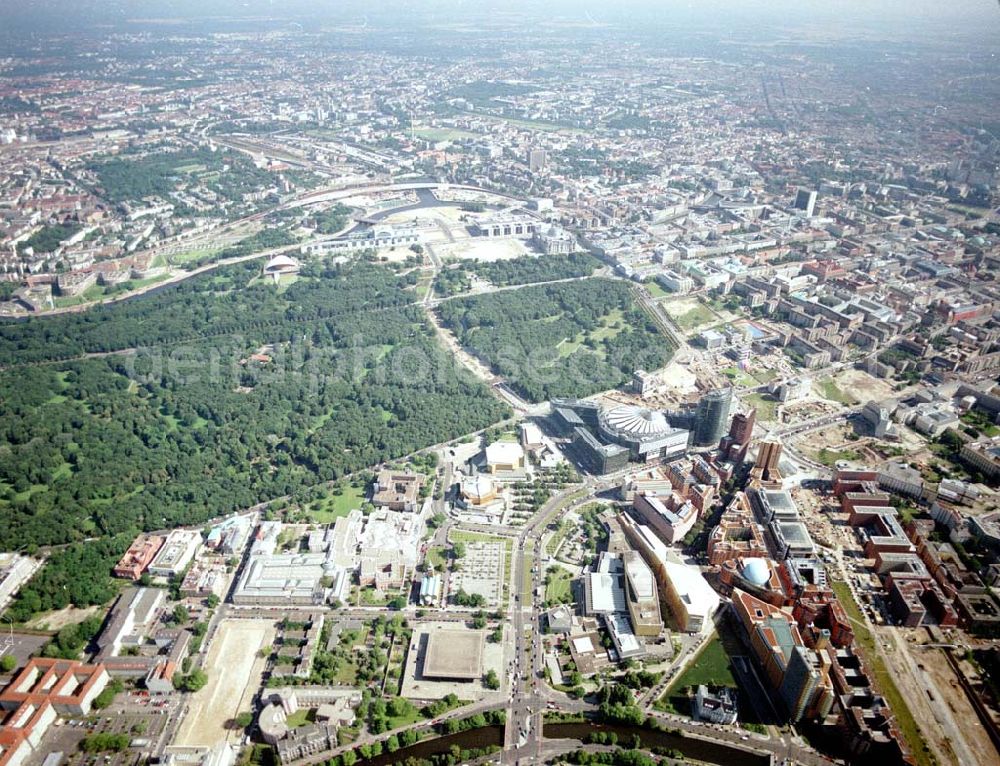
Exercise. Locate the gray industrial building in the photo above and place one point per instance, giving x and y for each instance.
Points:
(286, 579)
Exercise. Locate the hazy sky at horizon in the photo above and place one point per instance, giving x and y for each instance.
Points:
(947, 17)
(958, 10)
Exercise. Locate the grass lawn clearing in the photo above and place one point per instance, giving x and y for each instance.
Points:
(611, 325)
(299, 718)
(692, 318)
(557, 537)
(740, 378)
(437, 558)
(828, 389)
(395, 722)
(767, 407)
(528, 563)
(710, 667)
(654, 289)
(328, 509)
(831, 457)
(764, 376)
(558, 585)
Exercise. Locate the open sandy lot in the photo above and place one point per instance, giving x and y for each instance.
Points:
(452, 194)
(946, 683)
(677, 307)
(436, 225)
(834, 437)
(71, 615)
(484, 250)
(453, 217)
(677, 376)
(862, 386)
(372, 202)
(937, 701)
(234, 669)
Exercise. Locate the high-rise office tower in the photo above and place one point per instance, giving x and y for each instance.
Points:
(735, 444)
(537, 159)
(766, 466)
(806, 200)
(712, 417)
(741, 429)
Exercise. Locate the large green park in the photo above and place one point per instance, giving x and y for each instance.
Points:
(155, 412)
(565, 339)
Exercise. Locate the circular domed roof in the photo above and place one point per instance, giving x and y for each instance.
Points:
(281, 261)
(636, 421)
(756, 572)
(479, 489)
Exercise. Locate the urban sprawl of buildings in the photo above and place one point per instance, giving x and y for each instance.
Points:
(783, 543)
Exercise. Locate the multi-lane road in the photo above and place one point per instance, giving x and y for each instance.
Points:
(529, 695)
(525, 708)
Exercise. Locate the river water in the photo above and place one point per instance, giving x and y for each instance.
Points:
(696, 749)
(467, 740)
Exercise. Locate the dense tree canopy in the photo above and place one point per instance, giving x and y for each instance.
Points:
(567, 339)
(48, 238)
(223, 302)
(517, 271)
(72, 639)
(78, 574)
(333, 220)
(191, 427)
(227, 173)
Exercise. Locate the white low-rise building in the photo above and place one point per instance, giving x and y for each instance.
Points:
(793, 389)
(675, 283)
(691, 600)
(220, 754)
(177, 552)
(15, 571)
(504, 457)
(553, 240)
(375, 238)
